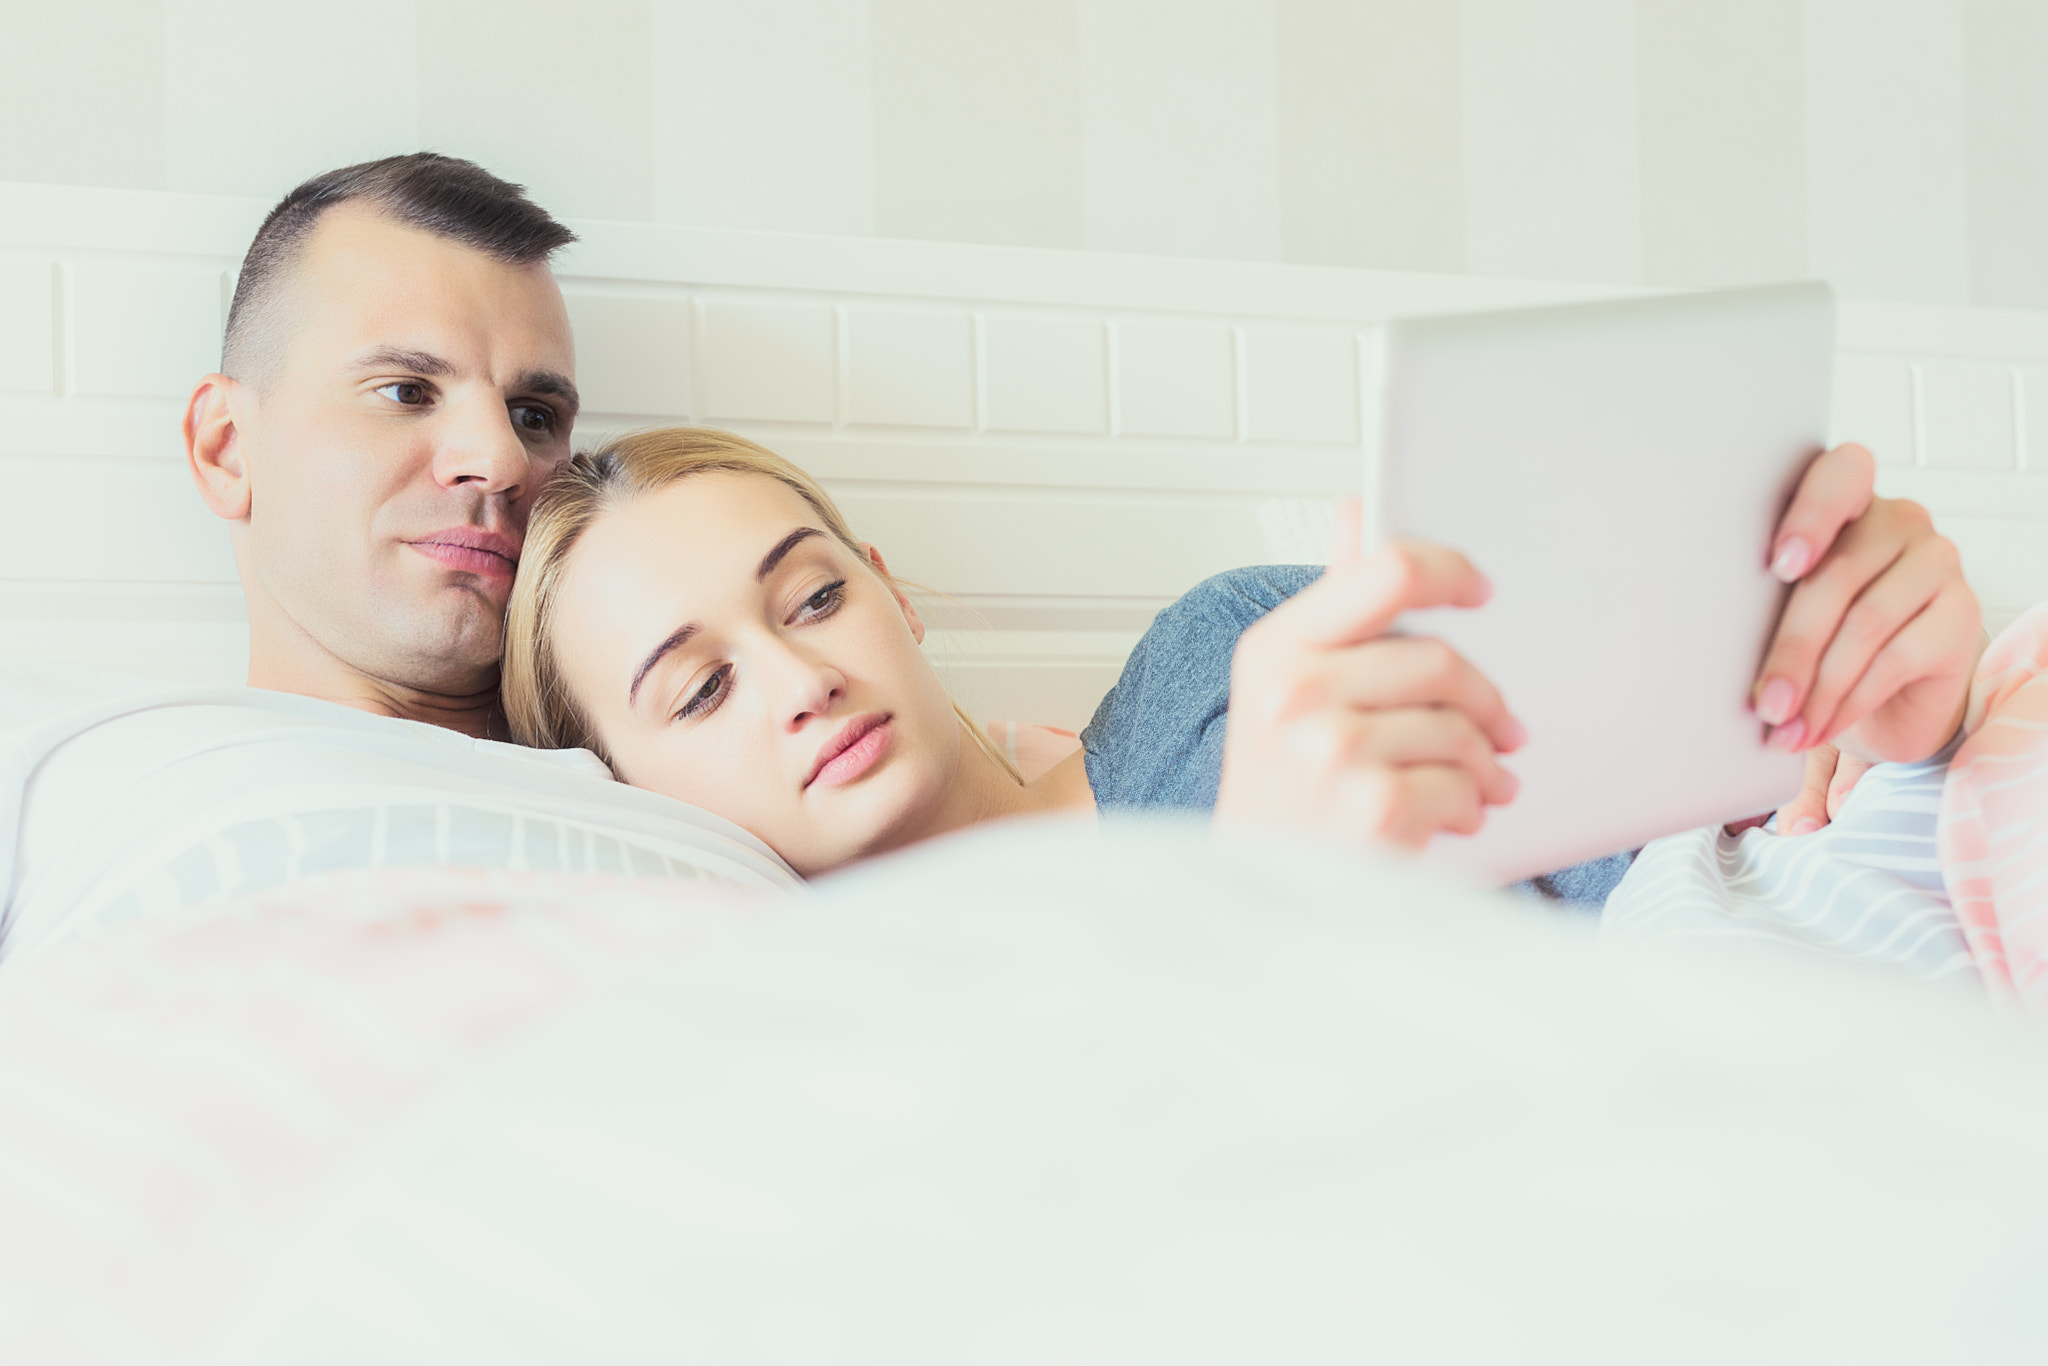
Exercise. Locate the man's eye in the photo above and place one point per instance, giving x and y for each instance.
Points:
(404, 392)
(534, 417)
(706, 696)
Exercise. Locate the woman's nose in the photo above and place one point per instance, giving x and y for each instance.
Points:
(810, 687)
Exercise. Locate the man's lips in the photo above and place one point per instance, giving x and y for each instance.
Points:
(472, 549)
(852, 752)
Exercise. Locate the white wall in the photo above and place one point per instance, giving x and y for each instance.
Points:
(1896, 147)
(1061, 441)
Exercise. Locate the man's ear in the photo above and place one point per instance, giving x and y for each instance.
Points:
(909, 612)
(213, 447)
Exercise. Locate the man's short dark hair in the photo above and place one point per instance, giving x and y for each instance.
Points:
(443, 195)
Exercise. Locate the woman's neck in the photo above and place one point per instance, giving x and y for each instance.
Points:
(984, 790)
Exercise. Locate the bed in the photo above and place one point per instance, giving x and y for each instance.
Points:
(1046, 1092)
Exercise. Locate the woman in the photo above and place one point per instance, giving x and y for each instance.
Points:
(694, 609)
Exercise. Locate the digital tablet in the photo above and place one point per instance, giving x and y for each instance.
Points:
(1617, 470)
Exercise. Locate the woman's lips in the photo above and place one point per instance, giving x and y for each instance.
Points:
(853, 752)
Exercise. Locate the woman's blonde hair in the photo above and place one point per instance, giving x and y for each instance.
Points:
(538, 705)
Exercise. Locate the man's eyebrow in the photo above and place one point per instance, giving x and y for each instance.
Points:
(676, 639)
(423, 363)
(540, 383)
(551, 384)
(783, 547)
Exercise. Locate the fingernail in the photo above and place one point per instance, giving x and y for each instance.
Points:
(1795, 557)
(1805, 825)
(1788, 736)
(1774, 704)
(1511, 786)
(1516, 734)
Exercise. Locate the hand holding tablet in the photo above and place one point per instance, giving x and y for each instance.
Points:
(1337, 726)
(1620, 469)
(1877, 642)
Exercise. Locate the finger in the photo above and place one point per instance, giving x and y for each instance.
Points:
(1352, 603)
(1876, 614)
(1847, 774)
(1406, 806)
(1434, 735)
(1836, 489)
(1349, 545)
(1941, 633)
(1420, 671)
(1817, 606)
(1808, 811)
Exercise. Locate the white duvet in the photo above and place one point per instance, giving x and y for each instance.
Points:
(1039, 1094)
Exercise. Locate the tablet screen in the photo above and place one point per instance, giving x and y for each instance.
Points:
(1617, 470)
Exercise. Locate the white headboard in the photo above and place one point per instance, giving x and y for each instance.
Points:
(1060, 441)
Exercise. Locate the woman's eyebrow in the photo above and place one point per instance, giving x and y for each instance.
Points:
(681, 635)
(783, 547)
(676, 640)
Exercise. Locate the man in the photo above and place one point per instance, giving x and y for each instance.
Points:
(397, 383)
(397, 386)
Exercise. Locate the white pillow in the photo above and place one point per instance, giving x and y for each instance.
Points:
(38, 690)
(155, 802)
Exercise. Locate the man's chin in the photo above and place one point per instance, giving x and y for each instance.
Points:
(490, 591)
(449, 654)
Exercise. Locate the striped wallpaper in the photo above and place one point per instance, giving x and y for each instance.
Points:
(1896, 147)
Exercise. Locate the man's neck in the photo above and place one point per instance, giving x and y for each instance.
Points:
(476, 714)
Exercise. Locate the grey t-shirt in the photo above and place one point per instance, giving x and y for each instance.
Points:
(1156, 741)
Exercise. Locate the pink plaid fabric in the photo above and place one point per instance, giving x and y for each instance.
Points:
(1994, 817)
(171, 1100)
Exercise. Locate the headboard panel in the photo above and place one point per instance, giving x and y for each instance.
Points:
(1057, 441)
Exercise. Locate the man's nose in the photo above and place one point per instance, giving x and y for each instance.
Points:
(480, 449)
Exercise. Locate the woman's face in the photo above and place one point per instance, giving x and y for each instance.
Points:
(732, 653)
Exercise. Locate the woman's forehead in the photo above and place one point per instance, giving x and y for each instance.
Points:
(701, 513)
(683, 548)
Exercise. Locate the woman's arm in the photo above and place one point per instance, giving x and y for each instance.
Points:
(1878, 640)
(1336, 727)
(1873, 656)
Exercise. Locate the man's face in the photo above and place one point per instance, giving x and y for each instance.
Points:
(423, 396)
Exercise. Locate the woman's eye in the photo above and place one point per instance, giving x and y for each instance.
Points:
(405, 393)
(705, 696)
(824, 600)
(533, 417)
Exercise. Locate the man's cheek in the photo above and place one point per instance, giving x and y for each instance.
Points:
(547, 468)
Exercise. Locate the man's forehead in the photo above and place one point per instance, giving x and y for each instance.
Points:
(365, 279)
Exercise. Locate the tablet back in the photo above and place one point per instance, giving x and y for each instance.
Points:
(1617, 469)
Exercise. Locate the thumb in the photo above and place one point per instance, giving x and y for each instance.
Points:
(1808, 811)
(1357, 601)
(1847, 772)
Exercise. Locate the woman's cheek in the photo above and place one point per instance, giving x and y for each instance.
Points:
(737, 774)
